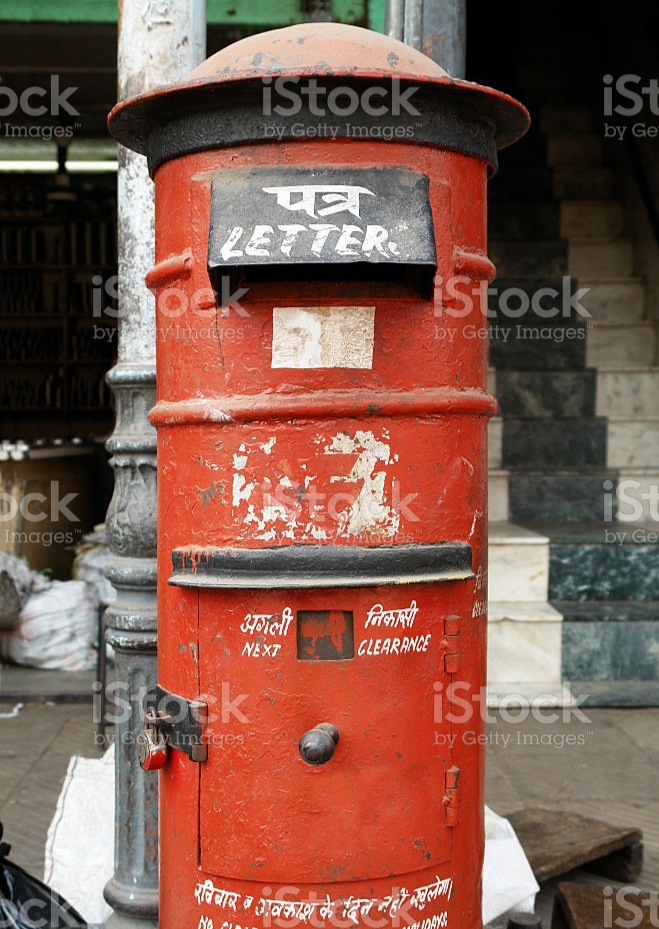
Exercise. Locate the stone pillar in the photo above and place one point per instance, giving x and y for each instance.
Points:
(445, 34)
(159, 41)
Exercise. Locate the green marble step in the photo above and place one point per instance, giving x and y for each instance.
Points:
(610, 651)
(608, 610)
(617, 693)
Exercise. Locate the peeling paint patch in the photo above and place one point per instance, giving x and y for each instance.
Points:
(323, 336)
(242, 489)
(368, 509)
(207, 495)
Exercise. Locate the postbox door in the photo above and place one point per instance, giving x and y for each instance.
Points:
(276, 663)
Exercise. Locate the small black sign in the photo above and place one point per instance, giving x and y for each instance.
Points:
(366, 218)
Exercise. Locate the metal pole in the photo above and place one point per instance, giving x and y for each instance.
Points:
(158, 43)
(445, 34)
(413, 33)
(394, 19)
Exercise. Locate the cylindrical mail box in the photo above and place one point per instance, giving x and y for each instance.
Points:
(322, 472)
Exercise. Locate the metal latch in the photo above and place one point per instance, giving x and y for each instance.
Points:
(171, 721)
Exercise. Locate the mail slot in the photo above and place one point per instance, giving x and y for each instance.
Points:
(355, 224)
(322, 468)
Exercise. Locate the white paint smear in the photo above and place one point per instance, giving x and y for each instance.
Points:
(323, 336)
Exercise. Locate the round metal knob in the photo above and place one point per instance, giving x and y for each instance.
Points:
(151, 749)
(318, 744)
(524, 921)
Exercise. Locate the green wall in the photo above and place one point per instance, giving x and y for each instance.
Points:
(219, 12)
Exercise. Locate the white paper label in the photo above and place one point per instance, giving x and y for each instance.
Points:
(323, 336)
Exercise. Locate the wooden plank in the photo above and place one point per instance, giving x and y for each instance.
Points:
(624, 865)
(556, 842)
(583, 906)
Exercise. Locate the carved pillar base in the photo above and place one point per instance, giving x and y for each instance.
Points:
(131, 624)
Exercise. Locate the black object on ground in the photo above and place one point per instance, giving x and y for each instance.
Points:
(27, 903)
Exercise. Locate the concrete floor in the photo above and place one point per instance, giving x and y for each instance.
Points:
(611, 771)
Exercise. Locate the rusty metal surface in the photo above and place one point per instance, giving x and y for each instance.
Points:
(231, 83)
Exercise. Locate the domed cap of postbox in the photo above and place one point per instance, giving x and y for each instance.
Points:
(317, 80)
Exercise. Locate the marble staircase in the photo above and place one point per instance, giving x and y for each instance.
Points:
(579, 414)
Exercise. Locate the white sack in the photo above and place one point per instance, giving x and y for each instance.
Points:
(90, 567)
(80, 843)
(508, 881)
(56, 629)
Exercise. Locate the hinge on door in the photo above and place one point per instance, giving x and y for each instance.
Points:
(452, 636)
(452, 796)
(180, 722)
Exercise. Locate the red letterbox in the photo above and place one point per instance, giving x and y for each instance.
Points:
(322, 477)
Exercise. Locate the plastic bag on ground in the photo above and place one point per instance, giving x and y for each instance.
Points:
(508, 881)
(56, 629)
(80, 843)
(17, 582)
(92, 556)
(27, 903)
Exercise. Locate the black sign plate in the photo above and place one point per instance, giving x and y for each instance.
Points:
(272, 218)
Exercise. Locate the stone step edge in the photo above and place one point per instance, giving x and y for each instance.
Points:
(627, 419)
(597, 240)
(603, 471)
(645, 610)
(550, 694)
(624, 324)
(596, 281)
(587, 201)
(620, 473)
(506, 533)
(618, 369)
(523, 611)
